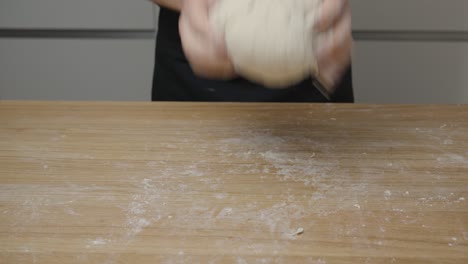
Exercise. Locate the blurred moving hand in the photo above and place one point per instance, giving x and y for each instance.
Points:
(334, 47)
(205, 51)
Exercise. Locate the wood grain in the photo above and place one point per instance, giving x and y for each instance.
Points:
(231, 183)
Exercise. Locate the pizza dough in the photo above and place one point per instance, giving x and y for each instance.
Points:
(269, 41)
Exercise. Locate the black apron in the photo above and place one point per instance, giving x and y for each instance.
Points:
(174, 80)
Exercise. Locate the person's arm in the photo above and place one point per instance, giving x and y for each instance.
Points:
(172, 4)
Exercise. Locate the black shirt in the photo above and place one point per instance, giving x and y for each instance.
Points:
(174, 80)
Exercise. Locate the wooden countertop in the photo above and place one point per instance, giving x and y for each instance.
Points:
(232, 183)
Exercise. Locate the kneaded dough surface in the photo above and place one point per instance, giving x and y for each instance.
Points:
(269, 41)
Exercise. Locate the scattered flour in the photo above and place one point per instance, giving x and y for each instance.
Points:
(136, 225)
(387, 194)
(221, 195)
(99, 241)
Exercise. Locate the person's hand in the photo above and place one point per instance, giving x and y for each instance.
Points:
(334, 46)
(205, 51)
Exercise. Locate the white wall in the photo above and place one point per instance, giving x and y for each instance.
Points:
(411, 72)
(428, 15)
(111, 57)
(414, 51)
(76, 14)
(76, 69)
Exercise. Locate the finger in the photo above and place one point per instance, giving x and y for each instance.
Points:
(190, 40)
(336, 56)
(198, 19)
(217, 34)
(338, 42)
(331, 74)
(219, 41)
(331, 71)
(197, 14)
(329, 13)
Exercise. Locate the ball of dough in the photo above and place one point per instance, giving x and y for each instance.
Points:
(269, 41)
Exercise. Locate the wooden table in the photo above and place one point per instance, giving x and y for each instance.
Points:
(232, 183)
